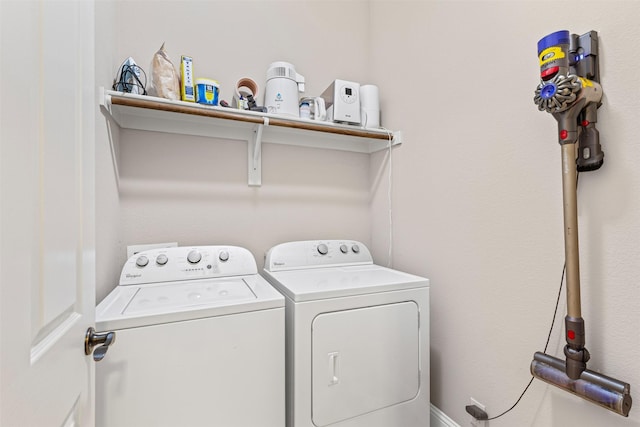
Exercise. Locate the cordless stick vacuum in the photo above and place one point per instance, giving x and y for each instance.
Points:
(570, 91)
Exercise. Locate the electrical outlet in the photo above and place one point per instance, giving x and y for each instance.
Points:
(474, 422)
(134, 249)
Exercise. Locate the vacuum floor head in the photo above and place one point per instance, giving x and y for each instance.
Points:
(600, 389)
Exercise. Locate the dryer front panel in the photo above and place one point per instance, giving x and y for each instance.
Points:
(363, 360)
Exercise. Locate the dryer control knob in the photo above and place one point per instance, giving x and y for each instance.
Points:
(344, 249)
(162, 259)
(142, 261)
(323, 249)
(224, 256)
(355, 249)
(194, 257)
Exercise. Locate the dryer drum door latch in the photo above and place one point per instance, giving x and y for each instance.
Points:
(333, 368)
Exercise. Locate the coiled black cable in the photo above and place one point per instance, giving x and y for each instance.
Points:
(127, 79)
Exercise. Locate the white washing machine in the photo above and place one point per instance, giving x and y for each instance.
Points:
(357, 337)
(199, 342)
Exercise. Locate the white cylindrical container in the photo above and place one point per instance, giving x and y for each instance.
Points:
(370, 106)
(282, 89)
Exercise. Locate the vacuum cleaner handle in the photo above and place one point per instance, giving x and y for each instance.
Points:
(590, 154)
(575, 351)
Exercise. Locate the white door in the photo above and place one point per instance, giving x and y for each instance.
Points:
(47, 289)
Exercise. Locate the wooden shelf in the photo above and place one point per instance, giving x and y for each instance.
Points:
(162, 115)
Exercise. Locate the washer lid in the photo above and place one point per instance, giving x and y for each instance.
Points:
(154, 299)
(331, 282)
(134, 306)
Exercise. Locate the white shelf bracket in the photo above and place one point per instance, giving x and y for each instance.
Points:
(397, 138)
(105, 107)
(148, 113)
(254, 155)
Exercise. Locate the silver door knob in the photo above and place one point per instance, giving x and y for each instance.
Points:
(103, 340)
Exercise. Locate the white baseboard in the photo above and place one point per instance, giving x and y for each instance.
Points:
(440, 419)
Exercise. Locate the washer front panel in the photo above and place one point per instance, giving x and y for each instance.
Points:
(218, 371)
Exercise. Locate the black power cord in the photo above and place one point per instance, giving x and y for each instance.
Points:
(128, 78)
(480, 414)
(555, 312)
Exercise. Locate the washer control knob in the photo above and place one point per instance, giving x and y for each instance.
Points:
(162, 259)
(355, 249)
(323, 249)
(194, 257)
(344, 249)
(142, 261)
(224, 256)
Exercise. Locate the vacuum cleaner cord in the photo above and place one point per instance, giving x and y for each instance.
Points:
(553, 321)
(555, 312)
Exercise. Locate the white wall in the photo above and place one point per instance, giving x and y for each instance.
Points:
(110, 249)
(477, 197)
(476, 186)
(194, 190)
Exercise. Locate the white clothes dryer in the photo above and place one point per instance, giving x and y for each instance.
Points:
(357, 337)
(199, 342)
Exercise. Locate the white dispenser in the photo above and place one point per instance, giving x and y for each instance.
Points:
(282, 89)
(342, 99)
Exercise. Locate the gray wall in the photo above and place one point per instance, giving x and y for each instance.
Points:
(476, 189)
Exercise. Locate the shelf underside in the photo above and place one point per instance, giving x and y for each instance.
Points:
(160, 115)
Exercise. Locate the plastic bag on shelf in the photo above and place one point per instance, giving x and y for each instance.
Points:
(165, 82)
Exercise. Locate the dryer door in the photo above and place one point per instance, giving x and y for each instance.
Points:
(364, 360)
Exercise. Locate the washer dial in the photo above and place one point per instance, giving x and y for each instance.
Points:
(142, 261)
(323, 249)
(194, 257)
